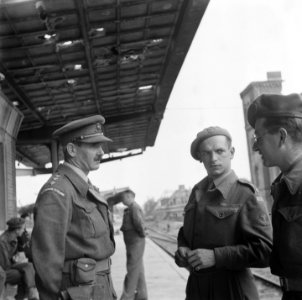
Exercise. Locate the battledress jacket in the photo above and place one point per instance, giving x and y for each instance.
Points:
(70, 222)
(286, 259)
(231, 220)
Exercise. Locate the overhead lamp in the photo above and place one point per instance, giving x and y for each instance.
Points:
(15, 103)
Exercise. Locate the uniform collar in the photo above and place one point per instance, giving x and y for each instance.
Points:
(225, 182)
(75, 178)
(293, 178)
(77, 170)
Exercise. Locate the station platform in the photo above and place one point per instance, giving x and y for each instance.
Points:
(164, 279)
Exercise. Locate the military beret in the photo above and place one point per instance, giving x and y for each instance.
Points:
(272, 105)
(205, 134)
(15, 223)
(86, 130)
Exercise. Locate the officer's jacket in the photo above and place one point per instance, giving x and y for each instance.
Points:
(231, 220)
(133, 220)
(70, 221)
(286, 260)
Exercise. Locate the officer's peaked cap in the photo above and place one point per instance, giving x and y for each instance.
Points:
(86, 130)
(205, 134)
(275, 106)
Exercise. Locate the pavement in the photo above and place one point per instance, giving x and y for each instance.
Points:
(165, 281)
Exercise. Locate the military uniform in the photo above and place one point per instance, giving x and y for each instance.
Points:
(134, 236)
(287, 222)
(280, 116)
(72, 238)
(21, 274)
(231, 220)
(71, 222)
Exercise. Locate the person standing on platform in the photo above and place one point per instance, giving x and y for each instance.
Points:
(133, 229)
(277, 120)
(226, 227)
(72, 239)
(12, 271)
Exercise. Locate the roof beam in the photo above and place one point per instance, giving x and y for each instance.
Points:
(20, 94)
(43, 135)
(84, 29)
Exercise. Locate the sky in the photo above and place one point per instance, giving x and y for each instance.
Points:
(237, 42)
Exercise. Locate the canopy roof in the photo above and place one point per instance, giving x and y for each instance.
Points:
(67, 59)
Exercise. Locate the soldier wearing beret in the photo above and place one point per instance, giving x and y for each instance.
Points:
(21, 274)
(277, 120)
(226, 227)
(72, 238)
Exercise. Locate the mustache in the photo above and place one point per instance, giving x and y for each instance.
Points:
(98, 157)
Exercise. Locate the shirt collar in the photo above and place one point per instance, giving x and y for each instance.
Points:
(293, 178)
(225, 182)
(77, 170)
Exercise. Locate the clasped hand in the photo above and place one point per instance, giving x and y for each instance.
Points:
(197, 259)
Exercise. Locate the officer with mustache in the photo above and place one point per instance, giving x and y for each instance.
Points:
(72, 238)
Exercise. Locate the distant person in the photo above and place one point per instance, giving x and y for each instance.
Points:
(226, 227)
(72, 238)
(16, 273)
(133, 229)
(277, 120)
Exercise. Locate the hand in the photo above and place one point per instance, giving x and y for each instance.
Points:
(183, 251)
(181, 257)
(201, 258)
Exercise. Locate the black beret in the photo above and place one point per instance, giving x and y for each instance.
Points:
(86, 130)
(203, 135)
(272, 105)
(15, 223)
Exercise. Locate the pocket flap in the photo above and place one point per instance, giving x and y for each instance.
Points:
(87, 206)
(222, 212)
(85, 264)
(291, 213)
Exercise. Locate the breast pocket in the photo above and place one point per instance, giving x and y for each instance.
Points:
(221, 222)
(223, 213)
(89, 219)
(290, 231)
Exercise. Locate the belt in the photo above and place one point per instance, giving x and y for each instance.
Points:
(291, 284)
(101, 265)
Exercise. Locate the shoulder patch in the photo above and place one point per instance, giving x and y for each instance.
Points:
(52, 189)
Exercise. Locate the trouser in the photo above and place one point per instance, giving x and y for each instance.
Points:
(2, 282)
(217, 284)
(135, 282)
(22, 275)
(292, 295)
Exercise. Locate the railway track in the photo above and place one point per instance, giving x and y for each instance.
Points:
(268, 285)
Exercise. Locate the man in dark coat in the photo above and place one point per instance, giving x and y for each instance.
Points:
(72, 238)
(16, 273)
(226, 227)
(277, 121)
(133, 229)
